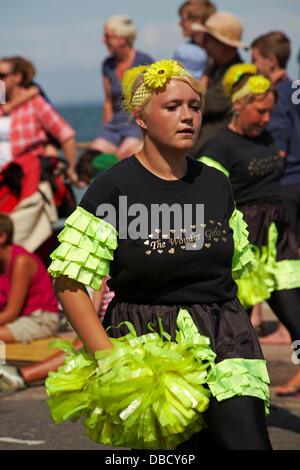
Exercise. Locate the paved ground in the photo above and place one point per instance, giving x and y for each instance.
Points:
(24, 416)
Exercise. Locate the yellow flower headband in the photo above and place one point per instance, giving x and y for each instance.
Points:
(257, 85)
(154, 79)
(233, 75)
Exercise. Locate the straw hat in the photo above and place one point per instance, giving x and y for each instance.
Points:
(223, 26)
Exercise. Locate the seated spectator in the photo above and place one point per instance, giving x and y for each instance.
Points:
(119, 134)
(28, 306)
(27, 127)
(191, 55)
(13, 379)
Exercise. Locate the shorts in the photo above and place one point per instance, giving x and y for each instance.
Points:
(38, 325)
(116, 131)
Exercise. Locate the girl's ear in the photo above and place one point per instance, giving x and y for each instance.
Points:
(139, 117)
(238, 105)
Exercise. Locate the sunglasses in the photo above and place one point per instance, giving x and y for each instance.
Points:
(4, 75)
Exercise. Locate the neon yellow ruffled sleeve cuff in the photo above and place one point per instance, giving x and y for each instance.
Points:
(243, 261)
(86, 248)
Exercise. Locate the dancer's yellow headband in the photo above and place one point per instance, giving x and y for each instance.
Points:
(256, 84)
(154, 78)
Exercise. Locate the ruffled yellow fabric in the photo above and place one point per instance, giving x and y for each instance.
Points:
(269, 275)
(148, 392)
(243, 261)
(86, 248)
(243, 377)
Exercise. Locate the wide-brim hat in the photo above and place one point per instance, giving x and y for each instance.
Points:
(225, 27)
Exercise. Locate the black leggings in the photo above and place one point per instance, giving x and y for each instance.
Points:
(286, 306)
(238, 423)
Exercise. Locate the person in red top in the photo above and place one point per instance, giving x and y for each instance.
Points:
(28, 305)
(13, 378)
(28, 126)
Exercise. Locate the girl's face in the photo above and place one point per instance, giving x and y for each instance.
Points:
(255, 116)
(172, 118)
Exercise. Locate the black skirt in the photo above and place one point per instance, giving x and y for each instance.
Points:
(259, 216)
(226, 324)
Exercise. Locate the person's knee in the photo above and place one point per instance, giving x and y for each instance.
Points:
(103, 146)
(129, 146)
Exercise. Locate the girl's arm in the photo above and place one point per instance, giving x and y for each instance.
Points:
(97, 298)
(107, 105)
(81, 313)
(24, 268)
(29, 93)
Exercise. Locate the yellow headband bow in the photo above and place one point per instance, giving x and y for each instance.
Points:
(258, 84)
(155, 77)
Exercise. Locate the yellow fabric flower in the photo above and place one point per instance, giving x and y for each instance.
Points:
(258, 84)
(157, 74)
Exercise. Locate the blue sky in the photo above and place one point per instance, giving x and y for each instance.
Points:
(63, 37)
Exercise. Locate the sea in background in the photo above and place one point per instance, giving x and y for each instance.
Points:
(85, 119)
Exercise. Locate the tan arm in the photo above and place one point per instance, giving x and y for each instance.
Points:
(21, 98)
(23, 269)
(81, 313)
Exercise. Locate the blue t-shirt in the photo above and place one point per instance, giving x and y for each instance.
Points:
(285, 129)
(108, 70)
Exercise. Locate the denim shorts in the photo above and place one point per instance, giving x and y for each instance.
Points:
(118, 130)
